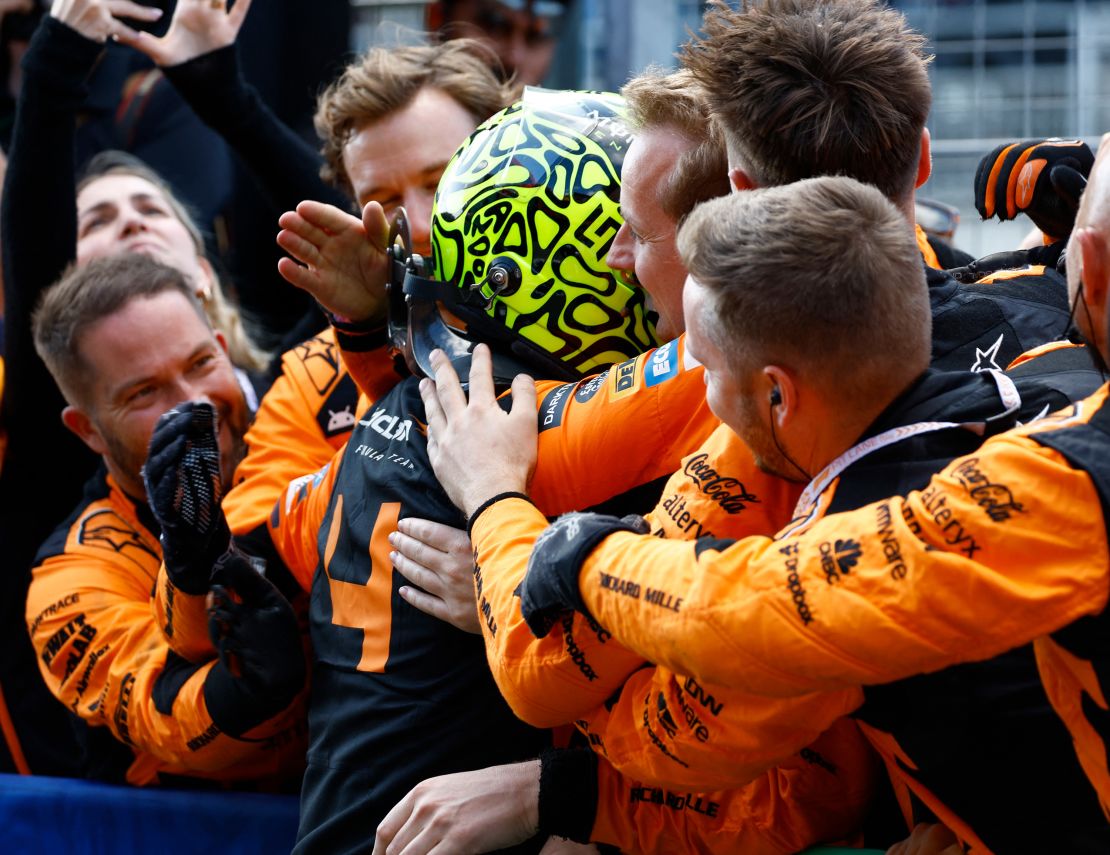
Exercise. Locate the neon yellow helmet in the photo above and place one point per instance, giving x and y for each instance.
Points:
(523, 219)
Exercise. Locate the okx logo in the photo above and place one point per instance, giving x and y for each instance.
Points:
(838, 558)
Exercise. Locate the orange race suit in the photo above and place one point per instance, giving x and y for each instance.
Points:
(783, 637)
(102, 655)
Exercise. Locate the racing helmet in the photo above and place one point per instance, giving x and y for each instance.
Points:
(523, 219)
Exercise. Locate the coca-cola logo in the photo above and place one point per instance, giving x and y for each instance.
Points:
(729, 493)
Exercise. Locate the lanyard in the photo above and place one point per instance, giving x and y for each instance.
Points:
(1011, 400)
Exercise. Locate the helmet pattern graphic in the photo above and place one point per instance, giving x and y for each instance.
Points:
(524, 217)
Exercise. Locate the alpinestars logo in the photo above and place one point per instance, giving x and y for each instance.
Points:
(986, 360)
(839, 558)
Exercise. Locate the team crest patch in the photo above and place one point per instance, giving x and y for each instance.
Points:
(320, 358)
(105, 529)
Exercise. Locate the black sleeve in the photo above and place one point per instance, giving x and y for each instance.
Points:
(285, 166)
(44, 465)
(38, 229)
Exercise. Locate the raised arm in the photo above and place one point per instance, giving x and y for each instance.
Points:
(199, 57)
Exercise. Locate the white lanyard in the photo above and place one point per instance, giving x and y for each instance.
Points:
(1007, 391)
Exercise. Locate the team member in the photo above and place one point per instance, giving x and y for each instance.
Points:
(372, 121)
(980, 326)
(676, 161)
(910, 424)
(126, 339)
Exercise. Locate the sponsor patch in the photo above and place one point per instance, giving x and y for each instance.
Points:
(553, 405)
(589, 387)
(336, 416)
(626, 380)
(105, 529)
(994, 498)
(663, 365)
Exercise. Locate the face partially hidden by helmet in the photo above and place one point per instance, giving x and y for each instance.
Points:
(523, 220)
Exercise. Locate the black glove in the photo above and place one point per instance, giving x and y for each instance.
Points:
(184, 488)
(550, 588)
(258, 639)
(1041, 178)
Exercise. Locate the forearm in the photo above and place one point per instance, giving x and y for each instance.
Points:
(285, 166)
(669, 730)
(548, 681)
(40, 183)
(101, 656)
(938, 582)
(785, 810)
(182, 620)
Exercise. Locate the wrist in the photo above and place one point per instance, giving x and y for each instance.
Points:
(568, 793)
(481, 506)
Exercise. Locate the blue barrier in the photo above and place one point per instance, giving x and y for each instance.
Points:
(57, 815)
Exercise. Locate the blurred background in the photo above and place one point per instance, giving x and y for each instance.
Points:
(1004, 69)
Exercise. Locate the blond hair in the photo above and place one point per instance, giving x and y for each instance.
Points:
(384, 80)
(676, 101)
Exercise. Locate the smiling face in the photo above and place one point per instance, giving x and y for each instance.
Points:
(125, 213)
(645, 244)
(398, 160)
(152, 354)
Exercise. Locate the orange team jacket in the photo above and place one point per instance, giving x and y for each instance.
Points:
(660, 728)
(103, 656)
(1003, 547)
(304, 418)
(766, 801)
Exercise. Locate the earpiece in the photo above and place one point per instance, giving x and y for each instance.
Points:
(776, 396)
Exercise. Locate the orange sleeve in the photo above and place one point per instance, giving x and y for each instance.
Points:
(100, 654)
(666, 729)
(577, 666)
(818, 795)
(298, 516)
(306, 415)
(547, 681)
(996, 551)
(619, 429)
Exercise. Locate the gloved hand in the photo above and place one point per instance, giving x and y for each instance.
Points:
(261, 664)
(1040, 178)
(550, 588)
(184, 488)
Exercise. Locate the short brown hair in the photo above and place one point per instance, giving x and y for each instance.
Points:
(89, 293)
(385, 80)
(677, 101)
(816, 87)
(821, 275)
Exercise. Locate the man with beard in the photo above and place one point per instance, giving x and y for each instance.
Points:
(126, 341)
